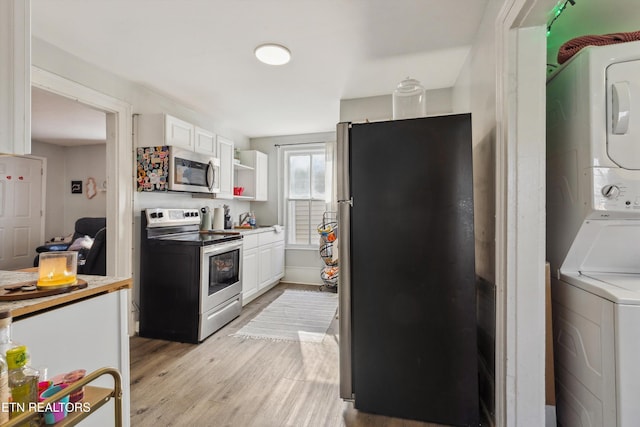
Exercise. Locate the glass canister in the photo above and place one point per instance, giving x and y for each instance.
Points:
(409, 100)
(57, 269)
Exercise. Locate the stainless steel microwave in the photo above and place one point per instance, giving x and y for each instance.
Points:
(170, 168)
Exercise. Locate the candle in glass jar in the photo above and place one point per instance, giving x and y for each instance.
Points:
(57, 269)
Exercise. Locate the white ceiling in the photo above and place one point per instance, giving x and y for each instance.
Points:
(63, 121)
(200, 52)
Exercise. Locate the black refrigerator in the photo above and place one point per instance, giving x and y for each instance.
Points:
(407, 313)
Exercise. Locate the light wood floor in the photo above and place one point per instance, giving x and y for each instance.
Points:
(232, 382)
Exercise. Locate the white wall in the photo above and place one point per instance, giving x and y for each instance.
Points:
(82, 163)
(503, 84)
(66, 164)
(475, 91)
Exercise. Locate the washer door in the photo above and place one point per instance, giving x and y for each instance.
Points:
(623, 111)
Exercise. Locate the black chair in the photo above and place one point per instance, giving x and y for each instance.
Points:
(90, 261)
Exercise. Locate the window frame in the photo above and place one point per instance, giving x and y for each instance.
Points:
(286, 152)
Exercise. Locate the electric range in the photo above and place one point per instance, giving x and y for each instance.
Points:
(190, 281)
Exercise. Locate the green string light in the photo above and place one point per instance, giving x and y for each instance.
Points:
(558, 12)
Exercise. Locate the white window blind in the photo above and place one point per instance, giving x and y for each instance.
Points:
(307, 188)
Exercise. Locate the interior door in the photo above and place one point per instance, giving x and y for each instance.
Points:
(623, 124)
(20, 211)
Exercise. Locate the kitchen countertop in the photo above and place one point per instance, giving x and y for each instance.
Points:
(96, 285)
(259, 229)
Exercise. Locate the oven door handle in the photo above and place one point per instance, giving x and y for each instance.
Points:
(221, 247)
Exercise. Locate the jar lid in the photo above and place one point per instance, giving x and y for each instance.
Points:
(17, 357)
(5, 318)
(409, 85)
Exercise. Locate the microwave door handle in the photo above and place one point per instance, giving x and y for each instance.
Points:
(211, 177)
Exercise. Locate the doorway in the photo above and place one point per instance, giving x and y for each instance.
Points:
(71, 136)
(119, 164)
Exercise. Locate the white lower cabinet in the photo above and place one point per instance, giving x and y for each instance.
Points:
(263, 262)
(265, 256)
(249, 274)
(278, 259)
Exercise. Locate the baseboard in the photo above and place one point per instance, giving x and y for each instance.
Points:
(550, 416)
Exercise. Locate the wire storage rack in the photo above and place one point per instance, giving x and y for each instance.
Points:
(328, 231)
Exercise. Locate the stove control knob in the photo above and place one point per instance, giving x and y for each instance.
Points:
(610, 191)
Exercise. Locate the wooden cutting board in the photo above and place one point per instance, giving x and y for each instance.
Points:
(15, 291)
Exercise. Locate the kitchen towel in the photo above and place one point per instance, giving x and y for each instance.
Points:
(294, 316)
(218, 219)
(573, 46)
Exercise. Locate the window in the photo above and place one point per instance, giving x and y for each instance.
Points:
(307, 189)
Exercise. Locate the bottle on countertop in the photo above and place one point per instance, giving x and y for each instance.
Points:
(6, 342)
(205, 221)
(23, 383)
(252, 220)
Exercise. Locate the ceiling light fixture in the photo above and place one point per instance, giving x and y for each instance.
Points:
(273, 54)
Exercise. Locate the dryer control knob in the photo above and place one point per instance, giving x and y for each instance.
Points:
(610, 191)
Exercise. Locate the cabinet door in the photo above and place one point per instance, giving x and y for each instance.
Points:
(264, 262)
(278, 260)
(262, 174)
(179, 132)
(205, 142)
(15, 77)
(249, 275)
(225, 154)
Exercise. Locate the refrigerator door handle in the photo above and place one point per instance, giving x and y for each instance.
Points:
(344, 278)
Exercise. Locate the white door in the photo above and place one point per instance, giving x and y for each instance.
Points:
(225, 154)
(20, 211)
(623, 126)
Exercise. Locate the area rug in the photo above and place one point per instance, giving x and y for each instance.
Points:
(293, 316)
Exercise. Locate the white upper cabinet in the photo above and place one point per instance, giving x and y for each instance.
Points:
(178, 132)
(254, 178)
(224, 152)
(205, 142)
(15, 77)
(164, 129)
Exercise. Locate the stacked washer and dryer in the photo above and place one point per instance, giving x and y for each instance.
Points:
(593, 235)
